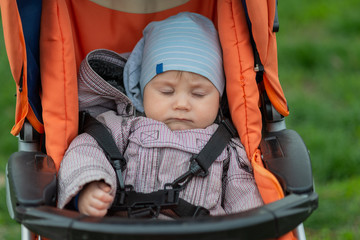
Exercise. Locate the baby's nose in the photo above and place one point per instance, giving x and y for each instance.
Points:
(182, 102)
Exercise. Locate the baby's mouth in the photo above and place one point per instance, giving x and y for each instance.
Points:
(179, 120)
(179, 123)
(185, 121)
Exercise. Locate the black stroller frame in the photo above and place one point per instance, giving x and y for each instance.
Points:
(31, 198)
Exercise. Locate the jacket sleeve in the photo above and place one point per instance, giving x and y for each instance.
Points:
(240, 192)
(85, 161)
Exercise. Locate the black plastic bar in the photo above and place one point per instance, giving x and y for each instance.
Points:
(269, 221)
(31, 178)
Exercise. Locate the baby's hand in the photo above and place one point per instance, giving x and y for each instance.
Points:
(95, 199)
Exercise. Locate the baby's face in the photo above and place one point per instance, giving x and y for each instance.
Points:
(182, 100)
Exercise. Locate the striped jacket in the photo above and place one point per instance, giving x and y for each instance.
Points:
(155, 155)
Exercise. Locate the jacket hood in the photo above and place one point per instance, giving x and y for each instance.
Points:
(100, 84)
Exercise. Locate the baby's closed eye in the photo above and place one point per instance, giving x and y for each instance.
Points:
(166, 90)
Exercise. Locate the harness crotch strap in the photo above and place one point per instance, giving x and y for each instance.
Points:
(150, 204)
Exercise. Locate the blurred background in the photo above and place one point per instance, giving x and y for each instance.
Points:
(319, 68)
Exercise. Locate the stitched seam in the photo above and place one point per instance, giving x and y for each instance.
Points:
(64, 72)
(241, 78)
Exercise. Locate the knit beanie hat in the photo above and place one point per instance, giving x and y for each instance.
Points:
(184, 42)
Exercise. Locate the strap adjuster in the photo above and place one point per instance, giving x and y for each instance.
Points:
(196, 169)
(259, 68)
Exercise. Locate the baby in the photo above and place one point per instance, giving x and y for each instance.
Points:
(175, 77)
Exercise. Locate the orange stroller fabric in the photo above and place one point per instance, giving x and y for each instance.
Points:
(16, 51)
(242, 89)
(72, 29)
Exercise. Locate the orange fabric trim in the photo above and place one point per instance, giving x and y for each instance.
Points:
(262, 20)
(30, 116)
(38, 126)
(16, 51)
(58, 79)
(288, 236)
(241, 87)
(15, 48)
(269, 187)
(273, 93)
(21, 110)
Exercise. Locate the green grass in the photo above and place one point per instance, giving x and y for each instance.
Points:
(338, 214)
(319, 68)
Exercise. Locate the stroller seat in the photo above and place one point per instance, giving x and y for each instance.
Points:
(45, 48)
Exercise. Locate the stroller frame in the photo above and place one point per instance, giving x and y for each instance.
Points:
(35, 208)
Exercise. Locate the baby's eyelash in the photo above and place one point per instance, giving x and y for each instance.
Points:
(199, 94)
(167, 91)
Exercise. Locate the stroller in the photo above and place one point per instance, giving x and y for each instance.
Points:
(46, 41)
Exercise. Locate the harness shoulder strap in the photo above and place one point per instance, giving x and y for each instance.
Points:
(201, 162)
(216, 144)
(101, 134)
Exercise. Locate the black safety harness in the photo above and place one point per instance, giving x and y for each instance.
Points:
(138, 204)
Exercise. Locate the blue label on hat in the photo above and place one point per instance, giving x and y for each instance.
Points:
(159, 68)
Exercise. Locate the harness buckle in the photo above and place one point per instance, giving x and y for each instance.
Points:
(200, 212)
(146, 212)
(141, 205)
(196, 169)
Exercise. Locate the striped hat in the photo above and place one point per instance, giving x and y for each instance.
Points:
(184, 42)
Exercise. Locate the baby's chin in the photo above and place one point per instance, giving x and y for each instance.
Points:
(177, 126)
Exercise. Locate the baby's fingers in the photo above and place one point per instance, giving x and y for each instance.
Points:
(99, 204)
(94, 211)
(93, 207)
(103, 186)
(103, 196)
